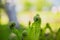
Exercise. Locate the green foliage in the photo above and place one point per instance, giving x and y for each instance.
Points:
(48, 26)
(49, 35)
(16, 31)
(58, 35)
(4, 32)
(33, 32)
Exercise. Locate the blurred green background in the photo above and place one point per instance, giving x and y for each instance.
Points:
(49, 11)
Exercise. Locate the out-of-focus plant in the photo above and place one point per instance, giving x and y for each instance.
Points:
(1, 4)
(49, 36)
(27, 6)
(29, 24)
(42, 3)
(48, 26)
(4, 32)
(42, 35)
(58, 35)
(16, 31)
(34, 30)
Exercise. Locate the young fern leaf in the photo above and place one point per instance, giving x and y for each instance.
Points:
(35, 28)
(12, 25)
(15, 31)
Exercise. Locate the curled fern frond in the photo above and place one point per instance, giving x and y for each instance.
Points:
(12, 25)
(37, 18)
